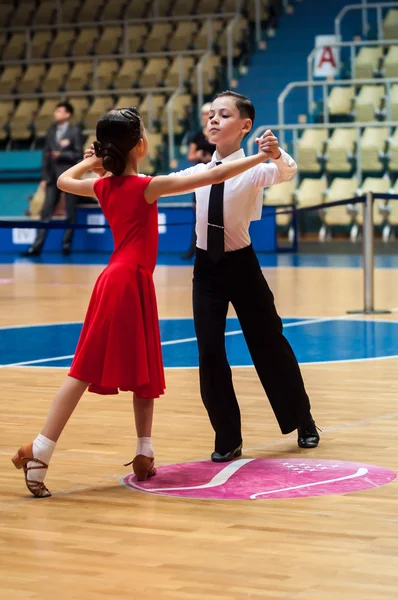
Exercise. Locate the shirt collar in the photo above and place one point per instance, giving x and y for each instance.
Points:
(234, 156)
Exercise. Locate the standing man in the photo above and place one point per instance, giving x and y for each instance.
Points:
(63, 149)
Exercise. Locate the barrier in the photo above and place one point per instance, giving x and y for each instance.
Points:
(263, 233)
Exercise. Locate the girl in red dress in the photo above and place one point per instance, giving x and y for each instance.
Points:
(119, 346)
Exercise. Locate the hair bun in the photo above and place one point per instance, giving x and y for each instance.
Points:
(113, 159)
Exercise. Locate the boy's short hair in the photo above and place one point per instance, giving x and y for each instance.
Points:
(67, 106)
(243, 104)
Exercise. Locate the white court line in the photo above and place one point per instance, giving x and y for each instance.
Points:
(309, 321)
(168, 343)
(360, 472)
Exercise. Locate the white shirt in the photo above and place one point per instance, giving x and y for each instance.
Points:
(243, 197)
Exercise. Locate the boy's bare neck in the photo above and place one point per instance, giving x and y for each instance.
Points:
(224, 151)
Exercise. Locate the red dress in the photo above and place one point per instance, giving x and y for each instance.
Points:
(119, 346)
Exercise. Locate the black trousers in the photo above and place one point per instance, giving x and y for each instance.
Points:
(238, 278)
(52, 198)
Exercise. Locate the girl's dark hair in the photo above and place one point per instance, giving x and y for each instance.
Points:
(118, 132)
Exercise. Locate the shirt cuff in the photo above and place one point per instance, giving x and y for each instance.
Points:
(284, 157)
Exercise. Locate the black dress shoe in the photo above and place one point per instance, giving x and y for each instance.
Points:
(30, 252)
(308, 436)
(217, 457)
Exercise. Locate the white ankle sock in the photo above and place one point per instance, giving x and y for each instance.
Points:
(43, 449)
(144, 446)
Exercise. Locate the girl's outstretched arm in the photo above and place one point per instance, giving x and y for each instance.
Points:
(70, 180)
(171, 184)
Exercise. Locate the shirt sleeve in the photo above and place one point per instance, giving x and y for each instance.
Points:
(185, 173)
(277, 171)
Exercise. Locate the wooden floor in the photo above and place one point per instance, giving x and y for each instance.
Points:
(96, 539)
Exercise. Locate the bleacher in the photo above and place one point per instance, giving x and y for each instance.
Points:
(89, 56)
(330, 158)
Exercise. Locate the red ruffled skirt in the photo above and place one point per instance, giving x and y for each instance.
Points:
(119, 346)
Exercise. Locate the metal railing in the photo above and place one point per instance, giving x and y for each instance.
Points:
(352, 47)
(297, 128)
(327, 84)
(364, 7)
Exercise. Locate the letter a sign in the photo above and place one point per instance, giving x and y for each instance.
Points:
(327, 59)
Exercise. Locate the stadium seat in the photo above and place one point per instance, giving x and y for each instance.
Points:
(45, 116)
(129, 73)
(154, 72)
(40, 43)
(180, 109)
(180, 71)
(379, 185)
(152, 108)
(340, 148)
(9, 79)
(31, 79)
(109, 41)
(158, 37)
(368, 60)
(210, 30)
(210, 70)
(135, 10)
(85, 41)
(282, 193)
(183, 36)
(160, 9)
(89, 10)
(340, 189)
(368, 102)
(373, 143)
(105, 73)
(391, 62)
(393, 153)
(46, 13)
(183, 7)
(55, 77)
(128, 101)
(69, 10)
(7, 8)
(239, 34)
(23, 120)
(310, 146)
(394, 102)
(23, 14)
(6, 110)
(80, 106)
(62, 43)
(341, 101)
(112, 10)
(16, 47)
(390, 25)
(98, 108)
(207, 7)
(311, 191)
(136, 36)
(80, 76)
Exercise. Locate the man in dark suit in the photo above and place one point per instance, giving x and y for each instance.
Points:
(63, 149)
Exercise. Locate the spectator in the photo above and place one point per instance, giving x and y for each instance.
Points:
(63, 149)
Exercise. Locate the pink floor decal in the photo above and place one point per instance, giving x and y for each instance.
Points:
(262, 478)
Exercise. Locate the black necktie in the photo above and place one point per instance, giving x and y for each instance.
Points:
(215, 222)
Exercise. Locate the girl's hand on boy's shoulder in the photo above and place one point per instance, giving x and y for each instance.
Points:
(269, 144)
(89, 152)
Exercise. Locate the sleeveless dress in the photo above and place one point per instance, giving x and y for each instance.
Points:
(119, 346)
